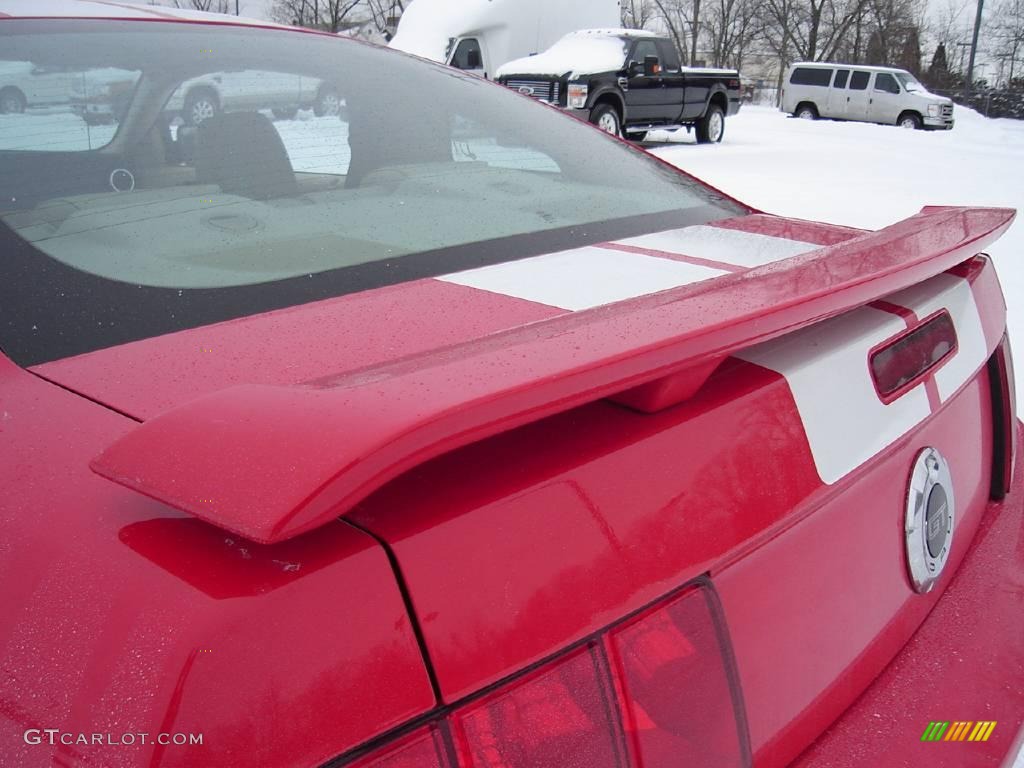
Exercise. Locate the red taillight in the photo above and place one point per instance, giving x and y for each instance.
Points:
(675, 686)
(559, 716)
(901, 363)
(658, 689)
(421, 749)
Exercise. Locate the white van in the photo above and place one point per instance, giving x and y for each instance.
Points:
(868, 94)
(481, 35)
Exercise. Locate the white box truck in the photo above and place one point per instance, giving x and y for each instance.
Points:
(481, 35)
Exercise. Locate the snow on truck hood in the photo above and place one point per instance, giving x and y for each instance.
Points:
(578, 53)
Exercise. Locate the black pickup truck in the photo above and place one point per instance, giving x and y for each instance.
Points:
(627, 82)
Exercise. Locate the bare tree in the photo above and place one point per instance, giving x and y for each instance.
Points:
(328, 15)
(1008, 34)
(637, 14)
(731, 26)
(950, 25)
(211, 6)
(300, 13)
(386, 14)
(334, 12)
(679, 19)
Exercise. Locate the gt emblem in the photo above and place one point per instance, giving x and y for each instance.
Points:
(929, 521)
(526, 90)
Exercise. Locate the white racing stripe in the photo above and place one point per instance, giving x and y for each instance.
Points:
(826, 367)
(583, 278)
(730, 246)
(592, 276)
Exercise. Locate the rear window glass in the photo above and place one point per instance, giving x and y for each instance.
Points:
(811, 76)
(209, 172)
(859, 81)
(841, 76)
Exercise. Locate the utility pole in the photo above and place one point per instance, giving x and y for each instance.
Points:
(974, 46)
(696, 27)
(963, 50)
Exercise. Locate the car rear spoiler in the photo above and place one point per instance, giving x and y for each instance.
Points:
(271, 462)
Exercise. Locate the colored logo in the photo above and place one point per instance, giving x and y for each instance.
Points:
(959, 731)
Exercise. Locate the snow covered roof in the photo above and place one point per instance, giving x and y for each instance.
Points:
(109, 9)
(586, 52)
(619, 32)
(833, 65)
(427, 25)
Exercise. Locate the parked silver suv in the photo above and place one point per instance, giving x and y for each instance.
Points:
(868, 94)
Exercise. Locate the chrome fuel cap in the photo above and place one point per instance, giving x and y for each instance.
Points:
(929, 522)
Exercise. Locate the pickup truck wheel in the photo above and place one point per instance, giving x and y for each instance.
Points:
(607, 119)
(910, 121)
(327, 104)
(711, 127)
(200, 105)
(12, 101)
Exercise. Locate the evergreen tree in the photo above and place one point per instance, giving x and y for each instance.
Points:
(910, 54)
(876, 51)
(938, 72)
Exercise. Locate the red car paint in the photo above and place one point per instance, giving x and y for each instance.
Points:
(483, 555)
(121, 615)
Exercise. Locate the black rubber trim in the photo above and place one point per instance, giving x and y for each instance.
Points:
(49, 310)
(1000, 423)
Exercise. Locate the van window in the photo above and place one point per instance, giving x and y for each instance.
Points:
(811, 76)
(468, 55)
(859, 81)
(886, 82)
(841, 76)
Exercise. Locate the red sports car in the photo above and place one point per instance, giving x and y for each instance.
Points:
(445, 431)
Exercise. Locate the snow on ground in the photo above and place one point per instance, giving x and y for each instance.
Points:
(54, 130)
(870, 176)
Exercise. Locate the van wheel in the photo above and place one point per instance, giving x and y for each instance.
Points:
(806, 112)
(605, 117)
(910, 121)
(711, 127)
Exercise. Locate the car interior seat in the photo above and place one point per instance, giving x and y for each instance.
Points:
(243, 154)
